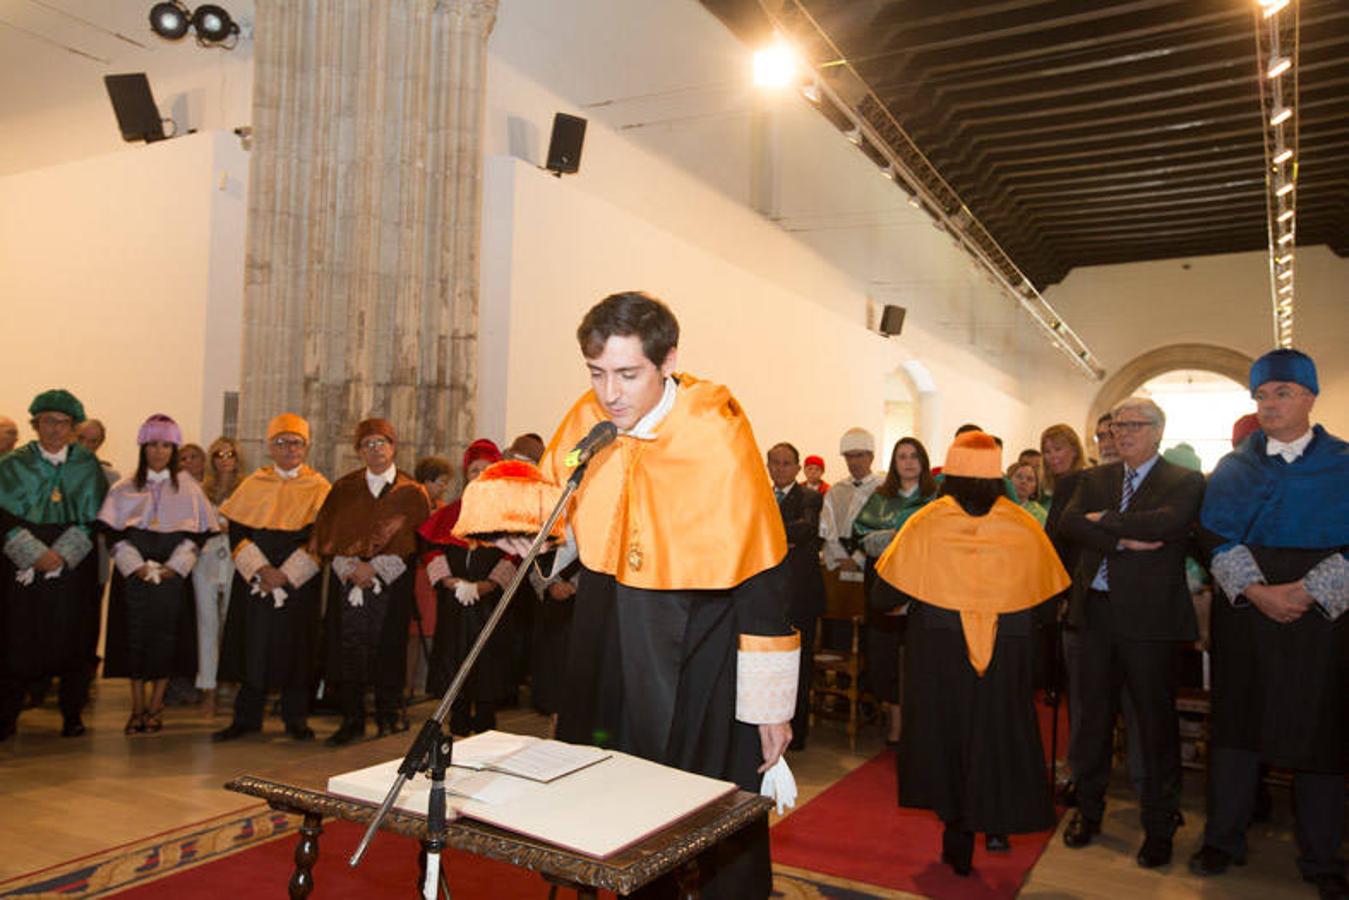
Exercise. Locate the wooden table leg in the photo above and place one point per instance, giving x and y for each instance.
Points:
(686, 876)
(306, 854)
(583, 891)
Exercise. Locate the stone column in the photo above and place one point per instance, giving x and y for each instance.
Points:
(364, 214)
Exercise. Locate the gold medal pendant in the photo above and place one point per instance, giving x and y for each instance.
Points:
(154, 522)
(56, 495)
(635, 559)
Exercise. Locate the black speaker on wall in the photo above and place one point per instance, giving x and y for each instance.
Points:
(137, 115)
(892, 320)
(564, 148)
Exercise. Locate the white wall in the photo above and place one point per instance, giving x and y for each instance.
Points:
(121, 280)
(1124, 311)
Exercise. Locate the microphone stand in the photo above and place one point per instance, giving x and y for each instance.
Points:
(433, 748)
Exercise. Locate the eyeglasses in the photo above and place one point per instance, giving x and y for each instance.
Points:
(374, 443)
(285, 443)
(224, 454)
(1120, 425)
(1283, 393)
(53, 420)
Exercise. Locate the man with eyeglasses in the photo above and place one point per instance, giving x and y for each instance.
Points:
(1131, 603)
(1277, 520)
(1105, 440)
(50, 493)
(274, 596)
(367, 529)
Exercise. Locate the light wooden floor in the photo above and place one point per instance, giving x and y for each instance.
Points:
(64, 798)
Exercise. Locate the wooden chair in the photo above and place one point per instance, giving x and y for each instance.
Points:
(838, 670)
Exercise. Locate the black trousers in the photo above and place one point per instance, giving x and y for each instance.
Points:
(1148, 669)
(388, 701)
(250, 704)
(1318, 799)
(74, 694)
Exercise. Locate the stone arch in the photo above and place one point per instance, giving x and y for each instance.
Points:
(1129, 377)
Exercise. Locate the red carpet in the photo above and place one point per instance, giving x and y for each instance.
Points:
(855, 830)
(388, 870)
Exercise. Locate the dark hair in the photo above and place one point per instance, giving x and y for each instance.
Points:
(783, 445)
(626, 314)
(429, 468)
(927, 485)
(1029, 451)
(143, 468)
(975, 495)
(1105, 417)
(968, 426)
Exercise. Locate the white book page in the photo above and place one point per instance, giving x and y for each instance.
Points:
(483, 749)
(548, 760)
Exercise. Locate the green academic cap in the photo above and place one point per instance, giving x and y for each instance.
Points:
(58, 400)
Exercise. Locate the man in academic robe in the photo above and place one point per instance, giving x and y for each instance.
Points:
(800, 508)
(680, 650)
(367, 529)
(1276, 517)
(1131, 601)
(50, 493)
(271, 627)
(845, 500)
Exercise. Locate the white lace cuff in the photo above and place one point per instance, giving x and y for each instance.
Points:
(1235, 569)
(388, 568)
(299, 567)
(1328, 582)
(23, 548)
(127, 558)
(249, 560)
(73, 546)
(437, 569)
(183, 558)
(767, 669)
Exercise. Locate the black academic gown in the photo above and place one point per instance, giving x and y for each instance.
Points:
(152, 628)
(1280, 690)
(970, 750)
(552, 636)
(652, 673)
(458, 626)
(264, 646)
(49, 627)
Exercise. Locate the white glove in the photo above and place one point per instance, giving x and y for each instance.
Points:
(356, 596)
(780, 785)
(25, 576)
(278, 594)
(154, 573)
(466, 592)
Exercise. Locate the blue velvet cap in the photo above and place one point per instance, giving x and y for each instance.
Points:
(1285, 365)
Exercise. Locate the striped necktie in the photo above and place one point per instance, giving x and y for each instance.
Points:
(1126, 495)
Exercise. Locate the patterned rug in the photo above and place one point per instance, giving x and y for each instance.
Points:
(196, 861)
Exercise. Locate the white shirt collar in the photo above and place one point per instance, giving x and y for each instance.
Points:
(645, 429)
(377, 483)
(1289, 450)
(58, 458)
(286, 474)
(159, 477)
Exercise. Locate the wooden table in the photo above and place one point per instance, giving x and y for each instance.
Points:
(301, 789)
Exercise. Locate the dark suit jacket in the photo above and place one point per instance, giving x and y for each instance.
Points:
(801, 517)
(1149, 599)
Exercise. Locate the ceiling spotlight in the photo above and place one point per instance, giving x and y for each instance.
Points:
(854, 135)
(1286, 273)
(1286, 215)
(915, 202)
(1280, 115)
(169, 20)
(1286, 237)
(1277, 66)
(1284, 189)
(774, 65)
(888, 173)
(1282, 156)
(1285, 259)
(1272, 6)
(812, 91)
(213, 24)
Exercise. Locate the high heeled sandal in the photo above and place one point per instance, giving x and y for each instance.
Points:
(135, 724)
(154, 721)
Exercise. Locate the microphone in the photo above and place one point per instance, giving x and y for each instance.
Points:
(601, 436)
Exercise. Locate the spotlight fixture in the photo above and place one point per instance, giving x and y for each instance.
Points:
(1286, 237)
(170, 20)
(1285, 259)
(1282, 156)
(854, 135)
(888, 173)
(1277, 66)
(1271, 7)
(1281, 114)
(915, 202)
(1286, 215)
(775, 65)
(812, 91)
(213, 24)
(1284, 189)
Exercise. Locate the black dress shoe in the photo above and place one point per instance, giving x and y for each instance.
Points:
(957, 850)
(349, 732)
(300, 732)
(1156, 851)
(1330, 885)
(72, 728)
(997, 843)
(1080, 831)
(1209, 860)
(1067, 794)
(231, 731)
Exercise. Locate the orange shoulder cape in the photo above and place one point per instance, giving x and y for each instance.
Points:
(690, 509)
(266, 500)
(978, 566)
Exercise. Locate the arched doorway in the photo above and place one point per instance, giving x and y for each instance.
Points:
(911, 408)
(1200, 408)
(1130, 377)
